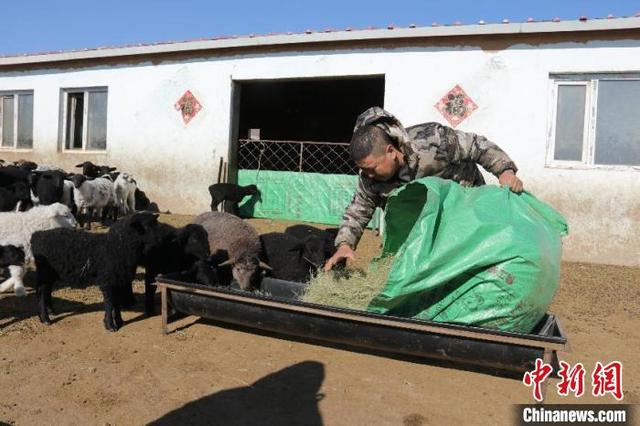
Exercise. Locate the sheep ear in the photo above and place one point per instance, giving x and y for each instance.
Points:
(226, 262)
(265, 266)
(52, 213)
(80, 165)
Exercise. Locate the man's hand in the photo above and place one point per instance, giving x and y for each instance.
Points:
(343, 252)
(508, 178)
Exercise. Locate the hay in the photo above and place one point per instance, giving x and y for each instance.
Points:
(351, 289)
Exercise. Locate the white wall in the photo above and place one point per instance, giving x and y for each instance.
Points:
(146, 135)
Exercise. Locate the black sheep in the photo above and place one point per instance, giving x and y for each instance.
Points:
(291, 258)
(12, 194)
(79, 258)
(91, 170)
(48, 186)
(230, 192)
(17, 180)
(26, 165)
(12, 174)
(328, 236)
(203, 272)
(174, 250)
(142, 202)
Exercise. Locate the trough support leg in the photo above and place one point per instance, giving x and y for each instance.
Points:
(163, 294)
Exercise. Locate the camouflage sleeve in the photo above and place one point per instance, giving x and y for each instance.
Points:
(357, 216)
(484, 152)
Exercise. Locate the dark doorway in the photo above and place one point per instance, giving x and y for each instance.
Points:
(317, 110)
(307, 110)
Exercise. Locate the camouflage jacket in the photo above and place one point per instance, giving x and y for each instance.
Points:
(430, 149)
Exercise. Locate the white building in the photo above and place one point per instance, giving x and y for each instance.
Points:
(561, 98)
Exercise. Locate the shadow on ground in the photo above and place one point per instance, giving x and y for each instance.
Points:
(289, 396)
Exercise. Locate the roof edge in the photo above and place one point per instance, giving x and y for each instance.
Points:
(328, 36)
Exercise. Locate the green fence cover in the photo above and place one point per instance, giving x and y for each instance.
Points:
(309, 197)
(476, 256)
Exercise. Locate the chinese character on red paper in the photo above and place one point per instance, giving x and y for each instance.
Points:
(607, 379)
(572, 379)
(536, 377)
(188, 105)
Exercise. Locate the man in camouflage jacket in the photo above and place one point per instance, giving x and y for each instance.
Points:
(389, 156)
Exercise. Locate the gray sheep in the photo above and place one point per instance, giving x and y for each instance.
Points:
(236, 242)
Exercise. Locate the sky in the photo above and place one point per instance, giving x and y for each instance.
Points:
(30, 26)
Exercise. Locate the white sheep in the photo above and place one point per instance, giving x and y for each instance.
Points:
(67, 193)
(92, 196)
(14, 281)
(16, 228)
(125, 189)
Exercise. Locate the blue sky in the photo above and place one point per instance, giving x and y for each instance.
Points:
(47, 25)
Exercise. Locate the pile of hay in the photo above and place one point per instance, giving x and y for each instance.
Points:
(352, 289)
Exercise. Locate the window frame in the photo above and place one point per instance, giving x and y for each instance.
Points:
(591, 83)
(16, 119)
(85, 119)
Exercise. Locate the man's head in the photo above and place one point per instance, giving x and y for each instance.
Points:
(373, 151)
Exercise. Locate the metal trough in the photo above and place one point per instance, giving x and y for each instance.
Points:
(281, 312)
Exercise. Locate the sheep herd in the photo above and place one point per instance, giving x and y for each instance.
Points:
(45, 211)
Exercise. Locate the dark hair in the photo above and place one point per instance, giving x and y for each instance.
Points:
(367, 140)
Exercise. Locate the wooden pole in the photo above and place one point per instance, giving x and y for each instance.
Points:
(165, 308)
(224, 179)
(220, 169)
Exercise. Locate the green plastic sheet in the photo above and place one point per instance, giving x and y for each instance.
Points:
(309, 197)
(476, 256)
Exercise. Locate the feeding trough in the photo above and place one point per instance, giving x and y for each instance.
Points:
(281, 312)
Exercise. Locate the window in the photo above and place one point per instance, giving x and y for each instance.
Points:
(595, 121)
(85, 119)
(16, 120)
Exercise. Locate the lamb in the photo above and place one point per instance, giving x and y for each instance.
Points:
(17, 228)
(230, 192)
(13, 196)
(67, 195)
(91, 196)
(47, 187)
(25, 165)
(49, 168)
(79, 258)
(13, 257)
(12, 174)
(203, 272)
(174, 250)
(142, 202)
(291, 258)
(236, 242)
(328, 235)
(16, 179)
(93, 171)
(125, 189)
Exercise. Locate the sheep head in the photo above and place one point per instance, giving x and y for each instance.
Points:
(246, 271)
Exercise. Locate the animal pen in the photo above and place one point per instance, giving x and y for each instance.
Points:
(290, 138)
(298, 180)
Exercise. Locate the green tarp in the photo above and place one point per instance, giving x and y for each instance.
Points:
(309, 197)
(476, 256)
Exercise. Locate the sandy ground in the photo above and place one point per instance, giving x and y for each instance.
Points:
(74, 372)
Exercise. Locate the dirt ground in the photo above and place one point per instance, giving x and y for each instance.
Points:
(75, 372)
